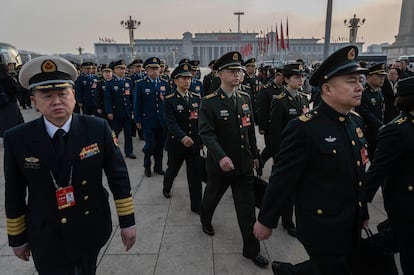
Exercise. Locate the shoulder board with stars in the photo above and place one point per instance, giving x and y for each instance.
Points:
(170, 96)
(210, 95)
(305, 117)
(195, 94)
(244, 93)
(401, 120)
(302, 94)
(128, 78)
(139, 80)
(355, 113)
(245, 87)
(280, 96)
(267, 85)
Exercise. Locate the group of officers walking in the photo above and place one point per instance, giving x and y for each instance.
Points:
(319, 156)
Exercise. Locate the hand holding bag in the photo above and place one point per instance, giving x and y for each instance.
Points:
(374, 257)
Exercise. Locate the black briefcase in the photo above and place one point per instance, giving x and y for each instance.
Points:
(259, 191)
(374, 257)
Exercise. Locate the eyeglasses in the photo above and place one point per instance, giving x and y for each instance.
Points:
(234, 71)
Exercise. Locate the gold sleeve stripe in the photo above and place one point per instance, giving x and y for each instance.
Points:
(16, 226)
(124, 211)
(122, 201)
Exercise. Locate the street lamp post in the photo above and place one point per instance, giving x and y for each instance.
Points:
(353, 24)
(131, 25)
(238, 13)
(80, 51)
(174, 51)
(328, 25)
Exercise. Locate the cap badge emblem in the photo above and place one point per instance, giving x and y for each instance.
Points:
(154, 59)
(185, 67)
(48, 66)
(235, 56)
(351, 54)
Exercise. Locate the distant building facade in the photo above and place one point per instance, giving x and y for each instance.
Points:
(208, 46)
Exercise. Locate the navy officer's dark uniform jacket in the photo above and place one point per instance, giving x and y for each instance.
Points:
(283, 108)
(118, 97)
(321, 164)
(228, 132)
(149, 101)
(181, 119)
(85, 87)
(58, 237)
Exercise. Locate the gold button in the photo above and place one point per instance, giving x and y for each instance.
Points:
(189, 132)
(358, 163)
(238, 116)
(86, 197)
(225, 118)
(360, 183)
(63, 220)
(242, 146)
(410, 188)
(360, 204)
(319, 211)
(189, 125)
(241, 126)
(84, 182)
(86, 212)
(315, 112)
(341, 119)
(334, 151)
(353, 143)
(242, 136)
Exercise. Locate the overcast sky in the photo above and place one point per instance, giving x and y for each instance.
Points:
(56, 26)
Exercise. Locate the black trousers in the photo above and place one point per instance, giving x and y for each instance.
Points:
(323, 264)
(85, 265)
(403, 232)
(193, 165)
(267, 151)
(242, 188)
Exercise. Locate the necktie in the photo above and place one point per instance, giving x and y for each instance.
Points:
(186, 98)
(234, 99)
(59, 143)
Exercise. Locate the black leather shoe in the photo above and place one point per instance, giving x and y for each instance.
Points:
(197, 211)
(166, 194)
(280, 268)
(259, 260)
(148, 172)
(131, 156)
(208, 229)
(291, 231)
(159, 172)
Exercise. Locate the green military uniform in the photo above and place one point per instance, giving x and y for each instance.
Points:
(321, 163)
(227, 131)
(392, 169)
(263, 101)
(284, 107)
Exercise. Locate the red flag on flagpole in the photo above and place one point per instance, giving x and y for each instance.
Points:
(287, 34)
(282, 39)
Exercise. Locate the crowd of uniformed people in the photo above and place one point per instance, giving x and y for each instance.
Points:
(317, 135)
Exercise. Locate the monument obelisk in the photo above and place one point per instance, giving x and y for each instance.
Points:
(404, 41)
